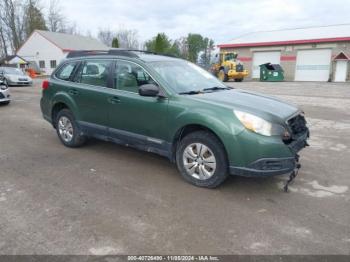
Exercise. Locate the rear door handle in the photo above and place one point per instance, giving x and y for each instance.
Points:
(114, 100)
(73, 92)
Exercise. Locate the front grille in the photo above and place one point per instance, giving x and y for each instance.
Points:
(239, 68)
(297, 125)
(22, 79)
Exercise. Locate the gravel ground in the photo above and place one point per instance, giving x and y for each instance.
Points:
(108, 199)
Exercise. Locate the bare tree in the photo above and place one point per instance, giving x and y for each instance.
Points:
(3, 41)
(55, 19)
(105, 36)
(128, 38)
(11, 15)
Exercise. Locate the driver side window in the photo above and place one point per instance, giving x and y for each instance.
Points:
(129, 77)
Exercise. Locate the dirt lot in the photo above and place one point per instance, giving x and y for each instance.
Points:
(105, 198)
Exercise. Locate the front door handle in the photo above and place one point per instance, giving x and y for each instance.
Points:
(73, 92)
(114, 100)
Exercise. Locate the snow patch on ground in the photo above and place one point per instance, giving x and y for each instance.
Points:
(316, 189)
(100, 251)
(333, 189)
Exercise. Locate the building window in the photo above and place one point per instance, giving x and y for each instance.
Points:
(42, 64)
(53, 63)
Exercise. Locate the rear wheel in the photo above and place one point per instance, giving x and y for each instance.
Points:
(201, 159)
(238, 79)
(222, 76)
(68, 130)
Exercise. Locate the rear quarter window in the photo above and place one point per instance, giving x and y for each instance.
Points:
(66, 71)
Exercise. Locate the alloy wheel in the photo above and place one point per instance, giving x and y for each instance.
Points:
(65, 129)
(199, 161)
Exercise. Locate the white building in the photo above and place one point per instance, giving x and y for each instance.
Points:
(47, 49)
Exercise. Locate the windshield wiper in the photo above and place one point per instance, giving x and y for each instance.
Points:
(215, 88)
(192, 92)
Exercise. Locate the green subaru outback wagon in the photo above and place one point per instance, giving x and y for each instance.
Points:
(174, 108)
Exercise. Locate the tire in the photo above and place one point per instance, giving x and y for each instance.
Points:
(68, 131)
(222, 76)
(238, 79)
(5, 103)
(215, 148)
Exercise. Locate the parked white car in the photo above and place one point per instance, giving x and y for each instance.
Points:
(4, 92)
(15, 76)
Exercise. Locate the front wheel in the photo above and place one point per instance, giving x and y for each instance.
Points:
(222, 76)
(238, 79)
(201, 159)
(68, 130)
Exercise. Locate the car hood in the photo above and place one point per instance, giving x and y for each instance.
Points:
(265, 106)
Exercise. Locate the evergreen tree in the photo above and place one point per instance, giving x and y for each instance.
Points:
(34, 18)
(159, 44)
(115, 42)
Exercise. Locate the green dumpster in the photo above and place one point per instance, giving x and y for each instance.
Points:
(271, 72)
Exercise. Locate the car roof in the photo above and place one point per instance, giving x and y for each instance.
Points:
(120, 53)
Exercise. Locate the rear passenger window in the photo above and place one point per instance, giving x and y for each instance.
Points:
(94, 73)
(66, 71)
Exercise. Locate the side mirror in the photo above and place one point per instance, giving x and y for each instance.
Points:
(149, 90)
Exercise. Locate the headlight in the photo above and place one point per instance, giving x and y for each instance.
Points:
(3, 87)
(258, 125)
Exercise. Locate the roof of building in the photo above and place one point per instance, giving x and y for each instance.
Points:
(8, 58)
(68, 42)
(331, 33)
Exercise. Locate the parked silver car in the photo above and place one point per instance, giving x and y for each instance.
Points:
(4, 92)
(15, 76)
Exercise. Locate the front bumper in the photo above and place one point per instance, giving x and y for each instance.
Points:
(265, 167)
(5, 95)
(19, 83)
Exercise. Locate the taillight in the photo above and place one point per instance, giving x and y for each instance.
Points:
(45, 84)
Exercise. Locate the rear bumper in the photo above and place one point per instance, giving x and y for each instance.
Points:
(44, 112)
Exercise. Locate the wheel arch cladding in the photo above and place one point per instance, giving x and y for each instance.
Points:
(187, 129)
(60, 101)
(55, 109)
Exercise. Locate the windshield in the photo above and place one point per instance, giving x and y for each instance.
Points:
(183, 76)
(12, 71)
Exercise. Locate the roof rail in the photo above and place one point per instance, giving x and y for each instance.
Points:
(150, 52)
(119, 52)
(113, 51)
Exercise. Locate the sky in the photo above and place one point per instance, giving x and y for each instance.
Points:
(221, 20)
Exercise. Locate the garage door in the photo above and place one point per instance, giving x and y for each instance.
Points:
(262, 58)
(313, 65)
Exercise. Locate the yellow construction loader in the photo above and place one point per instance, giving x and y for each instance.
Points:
(227, 67)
